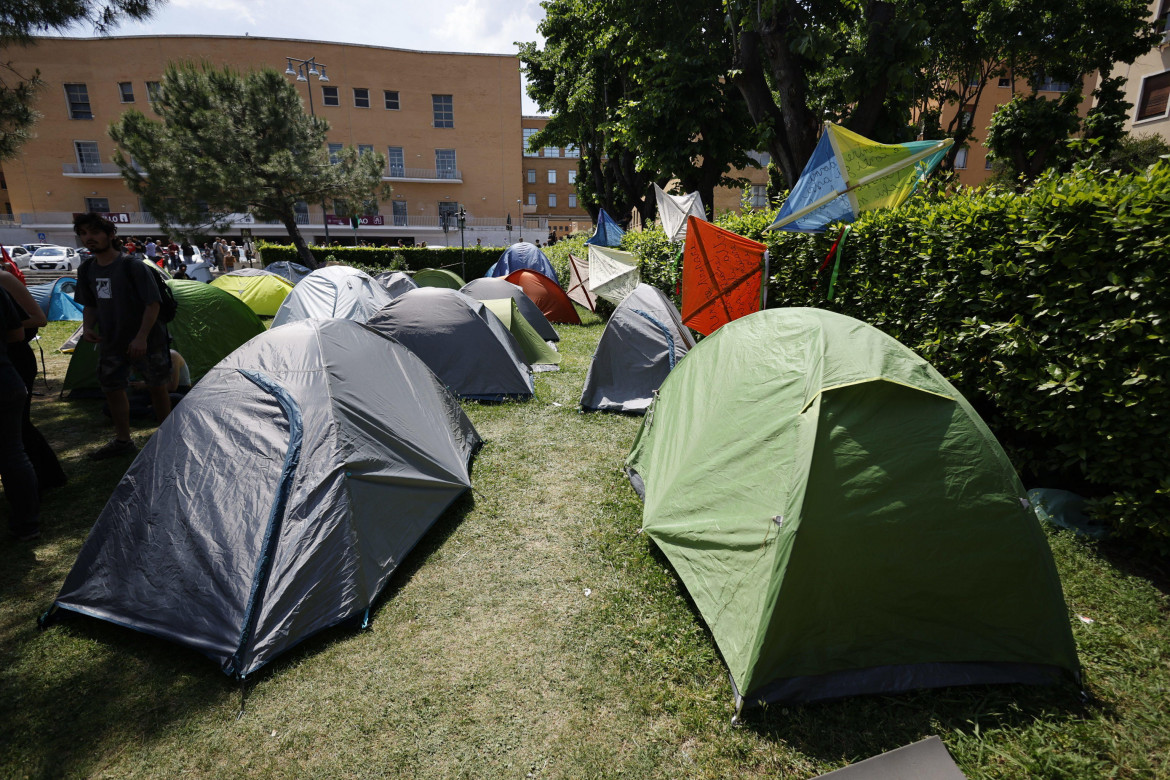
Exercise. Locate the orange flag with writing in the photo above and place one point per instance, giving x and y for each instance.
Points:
(722, 273)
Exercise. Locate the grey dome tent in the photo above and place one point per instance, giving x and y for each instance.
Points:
(493, 289)
(294, 272)
(353, 450)
(396, 282)
(463, 343)
(643, 341)
(334, 291)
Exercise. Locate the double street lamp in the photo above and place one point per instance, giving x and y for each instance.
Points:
(304, 69)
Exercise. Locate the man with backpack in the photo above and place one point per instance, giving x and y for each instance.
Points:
(126, 309)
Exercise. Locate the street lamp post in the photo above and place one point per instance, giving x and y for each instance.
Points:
(304, 69)
(520, 206)
(462, 215)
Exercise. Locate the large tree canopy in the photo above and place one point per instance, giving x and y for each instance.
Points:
(231, 143)
(640, 89)
(20, 20)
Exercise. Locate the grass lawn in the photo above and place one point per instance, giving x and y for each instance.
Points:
(533, 633)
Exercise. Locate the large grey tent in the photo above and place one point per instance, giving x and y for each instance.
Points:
(492, 289)
(644, 339)
(353, 449)
(464, 343)
(334, 291)
(396, 282)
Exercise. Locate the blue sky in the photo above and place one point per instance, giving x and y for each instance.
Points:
(490, 26)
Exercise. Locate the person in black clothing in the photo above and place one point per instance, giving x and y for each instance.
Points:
(16, 471)
(181, 273)
(44, 460)
(122, 305)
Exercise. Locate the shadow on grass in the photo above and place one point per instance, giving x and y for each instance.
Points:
(1134, 561)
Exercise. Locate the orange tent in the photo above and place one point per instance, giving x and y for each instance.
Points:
(546, 294)
(722, 272)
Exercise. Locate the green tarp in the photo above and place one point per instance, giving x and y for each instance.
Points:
(843, 519)
(209, 324)
(438, 277)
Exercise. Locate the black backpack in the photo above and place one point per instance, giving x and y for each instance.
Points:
(168, 306)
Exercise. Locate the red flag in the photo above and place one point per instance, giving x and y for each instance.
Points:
(10, 266)
(722, 273)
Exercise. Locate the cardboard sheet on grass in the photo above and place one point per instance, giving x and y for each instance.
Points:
(540, 355)
(613, 274)
(722, 276)
(209, 324)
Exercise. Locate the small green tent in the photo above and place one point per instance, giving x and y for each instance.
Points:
(536, 350)
(844, 520)
(208, 326)
(438, 277)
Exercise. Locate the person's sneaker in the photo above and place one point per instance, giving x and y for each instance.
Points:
(113, 449)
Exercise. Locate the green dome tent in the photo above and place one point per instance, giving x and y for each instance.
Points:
(263, 291)
(209, 324)
(438, 277)
(844, 520)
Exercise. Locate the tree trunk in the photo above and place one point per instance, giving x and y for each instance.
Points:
(289, 220)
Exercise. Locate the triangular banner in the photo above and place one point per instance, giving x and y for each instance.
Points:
(722, 273)
(579, 283)
(673, 211)
(613, 274)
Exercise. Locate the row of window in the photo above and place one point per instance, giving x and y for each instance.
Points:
(548, 151)
(445, 165)
(552, 176)
(77, 97)
(442, 106)
(552, 200)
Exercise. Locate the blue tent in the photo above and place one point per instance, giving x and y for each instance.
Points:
(56, 299)
(523, 255)
(608, 233)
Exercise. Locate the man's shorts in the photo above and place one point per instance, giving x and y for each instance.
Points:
(154, 368)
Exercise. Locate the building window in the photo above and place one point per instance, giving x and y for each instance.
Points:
(361, 97)
(153, 90)
(760, 158)
(370, 208)
(552, 176)
(391, 98)
(77, 95)
(572, 201)
(100, 205)
(365, 148)
(532, 199)
(572, 151)
(572, 177)
(1153, 99)
(126, 90)
(552, 151)
(329, 96)
(1049, 84)
(1004, 81)
(89, 160)
(532, 176)
(334, 151)
(445, 164)
(552, 200)
(528, 133)
(397, 161)
(301, 212)
(961, 159)
(759, 196)
(444, 110)
(400, 213)
(987, 162)
(447, 212)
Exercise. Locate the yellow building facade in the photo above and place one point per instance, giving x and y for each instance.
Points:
(448, 124)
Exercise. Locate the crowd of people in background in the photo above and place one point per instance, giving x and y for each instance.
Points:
(173, 254)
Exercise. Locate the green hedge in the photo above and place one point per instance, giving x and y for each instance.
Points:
(1048, 309)
(378, 259)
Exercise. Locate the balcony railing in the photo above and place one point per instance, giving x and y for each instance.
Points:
(93, 169)
(145, 218)
(422, 174)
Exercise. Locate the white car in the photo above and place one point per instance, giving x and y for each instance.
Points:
(54, 258)
(19, 255)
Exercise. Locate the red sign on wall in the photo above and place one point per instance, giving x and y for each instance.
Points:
(117, 217)
(375, 219)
